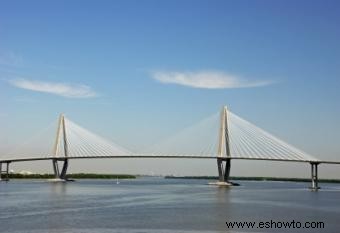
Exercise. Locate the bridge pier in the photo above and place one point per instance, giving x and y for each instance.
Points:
(223, 170)
(64, 170)
(55, 168)
(223, 167)
(57, 174)
(314, 176)
(5, 172)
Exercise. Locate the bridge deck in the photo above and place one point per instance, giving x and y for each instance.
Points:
(162, 157)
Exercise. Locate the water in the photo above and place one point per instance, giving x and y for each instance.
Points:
(161, 205)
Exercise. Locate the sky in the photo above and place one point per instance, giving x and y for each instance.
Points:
(136, 71)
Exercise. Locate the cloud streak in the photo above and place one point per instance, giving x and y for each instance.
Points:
(207, 80)
(60, 89)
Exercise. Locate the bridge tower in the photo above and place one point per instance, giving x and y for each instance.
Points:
(60, 145)
(223, 153)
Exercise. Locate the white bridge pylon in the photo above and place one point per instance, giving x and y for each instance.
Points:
(223, 136)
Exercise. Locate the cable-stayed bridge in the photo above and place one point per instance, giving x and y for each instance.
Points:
(223, 136)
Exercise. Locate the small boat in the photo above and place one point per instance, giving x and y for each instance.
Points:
(117, 181)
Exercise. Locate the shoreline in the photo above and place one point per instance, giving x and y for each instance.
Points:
(72, 176)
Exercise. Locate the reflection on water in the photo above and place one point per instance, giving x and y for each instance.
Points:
(160, 205)
(57, 188)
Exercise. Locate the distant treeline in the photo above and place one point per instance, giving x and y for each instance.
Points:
(100, 176)
(254, 178)
(71, 176)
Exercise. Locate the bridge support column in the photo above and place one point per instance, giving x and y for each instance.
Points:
(223, 166)
(4, 172)
(64, 170)
(227, 170)
(55, 168)
(57, 174)
(314, 176)
(220, 170)
(223, 170)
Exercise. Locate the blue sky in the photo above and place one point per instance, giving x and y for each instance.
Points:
(150, 68)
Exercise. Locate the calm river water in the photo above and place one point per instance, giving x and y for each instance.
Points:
(162, 205)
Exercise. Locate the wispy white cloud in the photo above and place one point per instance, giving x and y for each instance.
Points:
(61, 89)
(207, 79)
